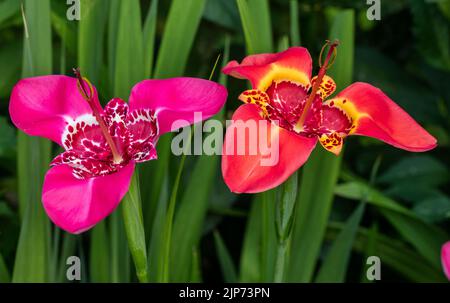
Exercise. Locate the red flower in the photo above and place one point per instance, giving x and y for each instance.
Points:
(295, 109)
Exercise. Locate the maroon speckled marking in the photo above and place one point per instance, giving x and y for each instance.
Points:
(134, 134)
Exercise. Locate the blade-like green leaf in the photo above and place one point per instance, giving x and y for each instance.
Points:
(91, 37)
(8, 8)
(334, 267)
(4, 272)
(225, 260)
(180, 29)
(426, 238)
(394, 254)
(196, 272)
(134, 226)
(321, 171)
(294, 23)
(129, 61)
(190, 215)
(99, 260)
(250, 261)
(33, 250)
(149, 38)
(255, 18)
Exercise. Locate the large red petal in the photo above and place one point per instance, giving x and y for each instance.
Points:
(177, 99)
(293, 64)
(376, 115)
(43, 106)
(76, 205)
(245, 172)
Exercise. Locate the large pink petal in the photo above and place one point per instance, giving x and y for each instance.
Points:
(445, 258)
(177, 99)
(245, 173)
(41, 106)
(293, 64)
(76, 205)
(377, 116)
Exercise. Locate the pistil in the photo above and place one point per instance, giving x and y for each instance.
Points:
(88, 96)
(323, 68)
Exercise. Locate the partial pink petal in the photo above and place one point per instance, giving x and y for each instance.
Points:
(245, 172)
(445, 258)
(41, 106)
(293, 64)
(377, 116)
(76, 205)
(178, 99)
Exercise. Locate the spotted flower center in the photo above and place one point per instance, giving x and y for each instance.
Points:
(88, 152)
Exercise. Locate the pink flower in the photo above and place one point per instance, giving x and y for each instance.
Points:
(445, 259)
(88, 180)
(284, 92)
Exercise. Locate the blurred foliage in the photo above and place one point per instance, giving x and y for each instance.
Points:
(406, 54)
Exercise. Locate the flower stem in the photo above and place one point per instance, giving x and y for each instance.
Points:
(280, 262)
(285, 210)
(134, 227)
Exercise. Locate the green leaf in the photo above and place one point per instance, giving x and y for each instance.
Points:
(434, 209)
(31, 262)
(129, 63)
(334, 267)
(99, 260)
(321, 171)
(196, 272)
(180, 29)
(432, 34)
(225, 260)
(7, 139)
(423, 170)
(426, 238)
(91, 37)
(222, 12)
(134, 226)
(255, 18)
(157, 239)
(395, 254)
(250, 261)
(294, 23)
(149, 37)
(4, 273)
(190, 215)
(120, 254)
(357, 189)
(11, 65)
(164, 262)
(8, 8)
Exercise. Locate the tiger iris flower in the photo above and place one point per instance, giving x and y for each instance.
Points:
(297, 110)
(102, 145)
